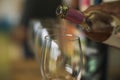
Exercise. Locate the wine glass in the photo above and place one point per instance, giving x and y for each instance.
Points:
(36, 37)
(40, 41)
(62, 58)
(35, 28)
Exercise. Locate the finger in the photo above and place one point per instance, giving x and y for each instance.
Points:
(92, 8)
(112, 8)
(118, 35)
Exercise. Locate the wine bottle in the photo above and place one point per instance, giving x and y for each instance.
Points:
(97, 25)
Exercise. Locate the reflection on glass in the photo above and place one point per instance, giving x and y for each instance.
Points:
(40, 41)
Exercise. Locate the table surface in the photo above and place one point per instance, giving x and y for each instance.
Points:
(25, 70)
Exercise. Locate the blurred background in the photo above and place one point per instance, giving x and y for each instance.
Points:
(17, 58)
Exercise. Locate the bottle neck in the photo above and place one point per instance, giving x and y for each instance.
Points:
(72, 15)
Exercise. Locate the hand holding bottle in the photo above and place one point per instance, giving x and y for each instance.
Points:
(102, 14)
(100, 23)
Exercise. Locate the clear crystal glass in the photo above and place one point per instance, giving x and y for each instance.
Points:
(62, 58)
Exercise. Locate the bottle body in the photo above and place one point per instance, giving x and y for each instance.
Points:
(97, 25)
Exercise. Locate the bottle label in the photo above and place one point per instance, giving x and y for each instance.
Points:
(114, 40)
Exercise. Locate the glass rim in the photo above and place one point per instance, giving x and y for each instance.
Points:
(75, 37)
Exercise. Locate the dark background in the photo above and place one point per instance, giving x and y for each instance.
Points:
(39, 9)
